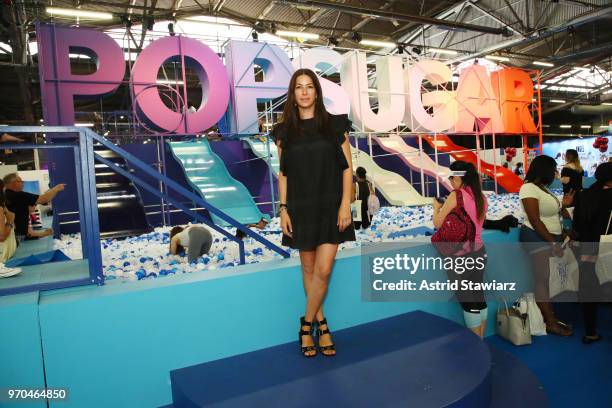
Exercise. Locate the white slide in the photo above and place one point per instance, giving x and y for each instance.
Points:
(258, 145)
(393, 187)
(393, 143)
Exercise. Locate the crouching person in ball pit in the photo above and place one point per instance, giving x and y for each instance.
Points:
(195, 240)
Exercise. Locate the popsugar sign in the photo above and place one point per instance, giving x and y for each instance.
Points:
(497, 102)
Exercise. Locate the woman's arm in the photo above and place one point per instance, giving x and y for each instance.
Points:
(174, 244)
(532, 209)
(5, 230)
(39, 234)
(442, 210)
(344, 213)
(347, 174)
(285, 220)
(282, 179)
(353, 191)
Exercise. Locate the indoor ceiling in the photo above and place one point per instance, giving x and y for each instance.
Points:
(573, 36)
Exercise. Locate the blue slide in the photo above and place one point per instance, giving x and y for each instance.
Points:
(258, 145)
(207, 174)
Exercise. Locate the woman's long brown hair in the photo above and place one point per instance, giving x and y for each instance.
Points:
(291, 115)
(472, 180)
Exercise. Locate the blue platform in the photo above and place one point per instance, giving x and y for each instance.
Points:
(44, 273)
(130, 336)
(414, 359)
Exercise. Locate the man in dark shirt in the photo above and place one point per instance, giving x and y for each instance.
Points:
(19, 201)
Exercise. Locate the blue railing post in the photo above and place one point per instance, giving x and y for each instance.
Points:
(92, 225)
(81, 199)
(271, 173)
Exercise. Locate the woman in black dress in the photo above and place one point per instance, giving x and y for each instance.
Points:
(364, 187)
(314, 183)
(571, 174)
(592, 219)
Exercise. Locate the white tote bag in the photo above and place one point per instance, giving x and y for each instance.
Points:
(373, 202)
(513, 326)
(563, 274)
(603, 267)
(527, 304)
(356, 206)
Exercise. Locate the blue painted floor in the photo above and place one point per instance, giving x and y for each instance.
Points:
(573, 374)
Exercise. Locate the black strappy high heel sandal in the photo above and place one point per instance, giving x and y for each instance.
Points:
(324, 349)
(302, 332)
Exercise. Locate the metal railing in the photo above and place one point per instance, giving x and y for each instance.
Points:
(85, 158)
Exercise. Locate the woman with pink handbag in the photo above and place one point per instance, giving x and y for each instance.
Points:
(459, 222)
(362, 190)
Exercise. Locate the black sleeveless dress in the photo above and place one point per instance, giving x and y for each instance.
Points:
(575, 180)
(313, 164)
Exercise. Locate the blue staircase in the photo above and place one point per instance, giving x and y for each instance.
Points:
(121, 211)
(411, 360)
(208, 175)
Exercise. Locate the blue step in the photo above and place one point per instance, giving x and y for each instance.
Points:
(415, 359)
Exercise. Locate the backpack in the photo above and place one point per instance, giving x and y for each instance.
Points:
(457, 232)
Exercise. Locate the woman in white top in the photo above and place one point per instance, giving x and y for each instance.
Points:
(542, 232)
(195, 240)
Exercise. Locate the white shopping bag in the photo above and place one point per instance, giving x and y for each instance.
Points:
(603, 268)
(563, 274)
(527, 304)
(356, 210)
(356, 206)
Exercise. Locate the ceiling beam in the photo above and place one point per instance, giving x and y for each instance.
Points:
(218, 6)
(365, 20)
(387, 15)
(123, 5)
(458, 8)
(525, 44)
(490, 14)
(250, 21)
(176, 6)
(265, 11)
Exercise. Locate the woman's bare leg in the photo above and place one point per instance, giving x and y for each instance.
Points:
(307, 259)
(324, 262)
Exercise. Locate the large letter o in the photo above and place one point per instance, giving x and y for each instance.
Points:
(210, 71)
